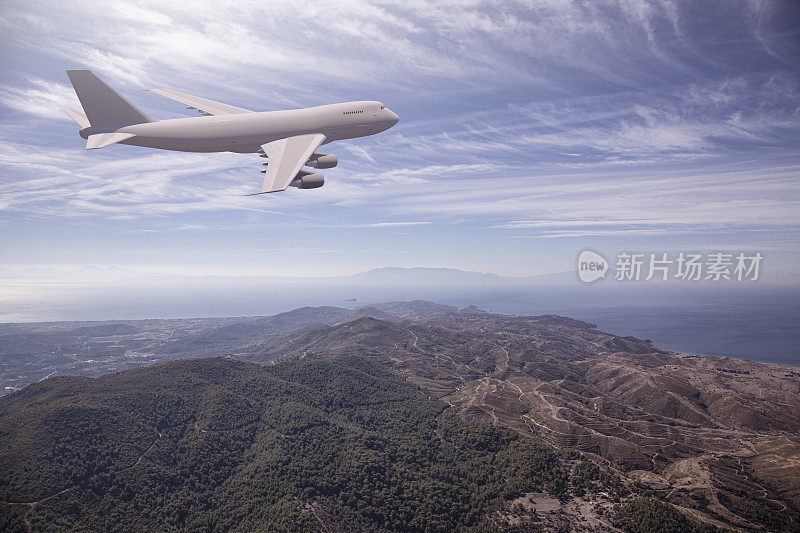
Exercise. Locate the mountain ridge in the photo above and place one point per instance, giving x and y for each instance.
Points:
(324, 444)
(699, 431)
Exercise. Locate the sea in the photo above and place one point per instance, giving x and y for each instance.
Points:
(736, 320)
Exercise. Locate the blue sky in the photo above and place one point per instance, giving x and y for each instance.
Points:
(529, 131)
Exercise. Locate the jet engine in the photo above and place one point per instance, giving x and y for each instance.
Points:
(322, 161)
(308, 180)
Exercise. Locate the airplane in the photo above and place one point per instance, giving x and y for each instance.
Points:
(289, 140)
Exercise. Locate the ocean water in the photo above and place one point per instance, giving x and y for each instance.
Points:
(758, 324)
(754, 322)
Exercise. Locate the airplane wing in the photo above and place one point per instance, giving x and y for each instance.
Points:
(205, 107)
(286, 158)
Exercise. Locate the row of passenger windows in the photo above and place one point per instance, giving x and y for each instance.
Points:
(351, 112)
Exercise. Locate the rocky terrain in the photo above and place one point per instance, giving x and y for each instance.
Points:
(717, 438)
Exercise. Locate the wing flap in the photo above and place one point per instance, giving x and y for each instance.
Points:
(203, 105)
(286, 158)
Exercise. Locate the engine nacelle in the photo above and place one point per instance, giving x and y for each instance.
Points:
(308, 180)
(322, 161)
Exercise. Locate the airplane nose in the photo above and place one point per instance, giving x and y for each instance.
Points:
(395, 118)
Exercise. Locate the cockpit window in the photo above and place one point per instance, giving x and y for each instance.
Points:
(383, 107)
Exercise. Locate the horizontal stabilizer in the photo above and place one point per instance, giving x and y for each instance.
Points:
(79, 117)
(99, 140)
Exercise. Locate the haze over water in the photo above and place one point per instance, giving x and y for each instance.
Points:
(754, 322)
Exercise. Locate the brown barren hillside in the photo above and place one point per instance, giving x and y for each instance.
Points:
(718, 437)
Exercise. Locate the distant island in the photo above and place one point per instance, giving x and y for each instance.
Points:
(394, 416)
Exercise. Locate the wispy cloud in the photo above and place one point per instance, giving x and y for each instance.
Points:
(409, 44)
(146, 185)
(40, 97)
(397, 224)
(546, 121)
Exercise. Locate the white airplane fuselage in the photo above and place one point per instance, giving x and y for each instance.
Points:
(247, 132)
(289, 140)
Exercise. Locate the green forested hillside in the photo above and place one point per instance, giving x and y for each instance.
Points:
(647, 515)
(220, 444)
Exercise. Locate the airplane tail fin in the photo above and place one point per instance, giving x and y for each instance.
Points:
(102, 105)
